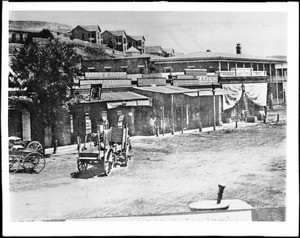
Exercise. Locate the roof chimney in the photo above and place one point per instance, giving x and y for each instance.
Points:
(238, 49)
(207, 50)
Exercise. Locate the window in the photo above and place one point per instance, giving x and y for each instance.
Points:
(82, 37)
(107, 69)
(168, 69)
(191, 67)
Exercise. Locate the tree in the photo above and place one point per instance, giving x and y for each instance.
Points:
(47, 70)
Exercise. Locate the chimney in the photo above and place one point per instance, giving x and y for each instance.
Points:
(207, 50)
(238, 49)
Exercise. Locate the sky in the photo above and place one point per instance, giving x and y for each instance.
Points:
(259, 33)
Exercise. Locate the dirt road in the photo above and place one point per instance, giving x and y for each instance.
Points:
(164, 176)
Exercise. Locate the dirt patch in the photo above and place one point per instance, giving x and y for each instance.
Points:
(164, 176)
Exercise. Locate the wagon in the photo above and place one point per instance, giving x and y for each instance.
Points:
(105, 150)
(27, 156)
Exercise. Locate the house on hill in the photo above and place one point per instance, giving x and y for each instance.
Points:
(137, 42)
(169, 52)
(115, 39)
(155, 50)
(90, 33)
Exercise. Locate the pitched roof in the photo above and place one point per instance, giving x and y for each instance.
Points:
(118, 32)
(169, 50)
(132, 50)
(90, 27)
(220, 56)
(153, 49)
(137, 38)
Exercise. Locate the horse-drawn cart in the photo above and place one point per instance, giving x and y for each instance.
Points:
(105, 150)
(25, 156)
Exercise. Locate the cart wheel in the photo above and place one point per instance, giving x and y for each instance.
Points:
(81, 165)
(108, 162)
(34, 162)
(35, 145)
(13, 163)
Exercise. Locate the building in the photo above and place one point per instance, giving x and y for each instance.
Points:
(90, 33)
(280, 80)
(115, 39)
(132, 51)
(216, 61)
(169, 52)
(115, 104)
(155, 50)
(136, 41)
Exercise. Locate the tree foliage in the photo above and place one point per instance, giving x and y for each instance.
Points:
(48, 70)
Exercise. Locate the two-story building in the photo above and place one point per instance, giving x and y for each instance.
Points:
(90, 33)
(115, 39)
(137, 42)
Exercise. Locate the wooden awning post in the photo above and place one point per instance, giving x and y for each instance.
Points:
(172, 113)
(182, 121)
(200, 124)
(163, 120)
(214, 105)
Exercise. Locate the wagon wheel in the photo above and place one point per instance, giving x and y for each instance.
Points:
(34, 162)
(81, 165)
(13, 163)
(108, 162)
(35, 145)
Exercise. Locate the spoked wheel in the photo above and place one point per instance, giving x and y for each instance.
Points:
(82, 165)
(13, 163)
(108, 162)
(35, 145)
(34, 162)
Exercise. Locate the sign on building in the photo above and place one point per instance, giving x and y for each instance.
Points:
(105, 75)
(242, 71)
(205, 79)
(152, 81)
(259, 73)
(106, 83)
(227, 73)
(185, 82)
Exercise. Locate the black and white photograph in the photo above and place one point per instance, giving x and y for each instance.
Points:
(150, 119)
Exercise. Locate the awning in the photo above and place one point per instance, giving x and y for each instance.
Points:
(256, 92)
(166, 89)
(115, 99)
(206, 92)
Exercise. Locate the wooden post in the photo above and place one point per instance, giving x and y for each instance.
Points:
(182, 121)
(199, 104)
(237, 115)
(214, 105)
(271, 93)
(55, 147)
(228, 66)
(163, 120)
(220, 67)
(172, 113)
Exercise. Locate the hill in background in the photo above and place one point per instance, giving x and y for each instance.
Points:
(39, 26)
